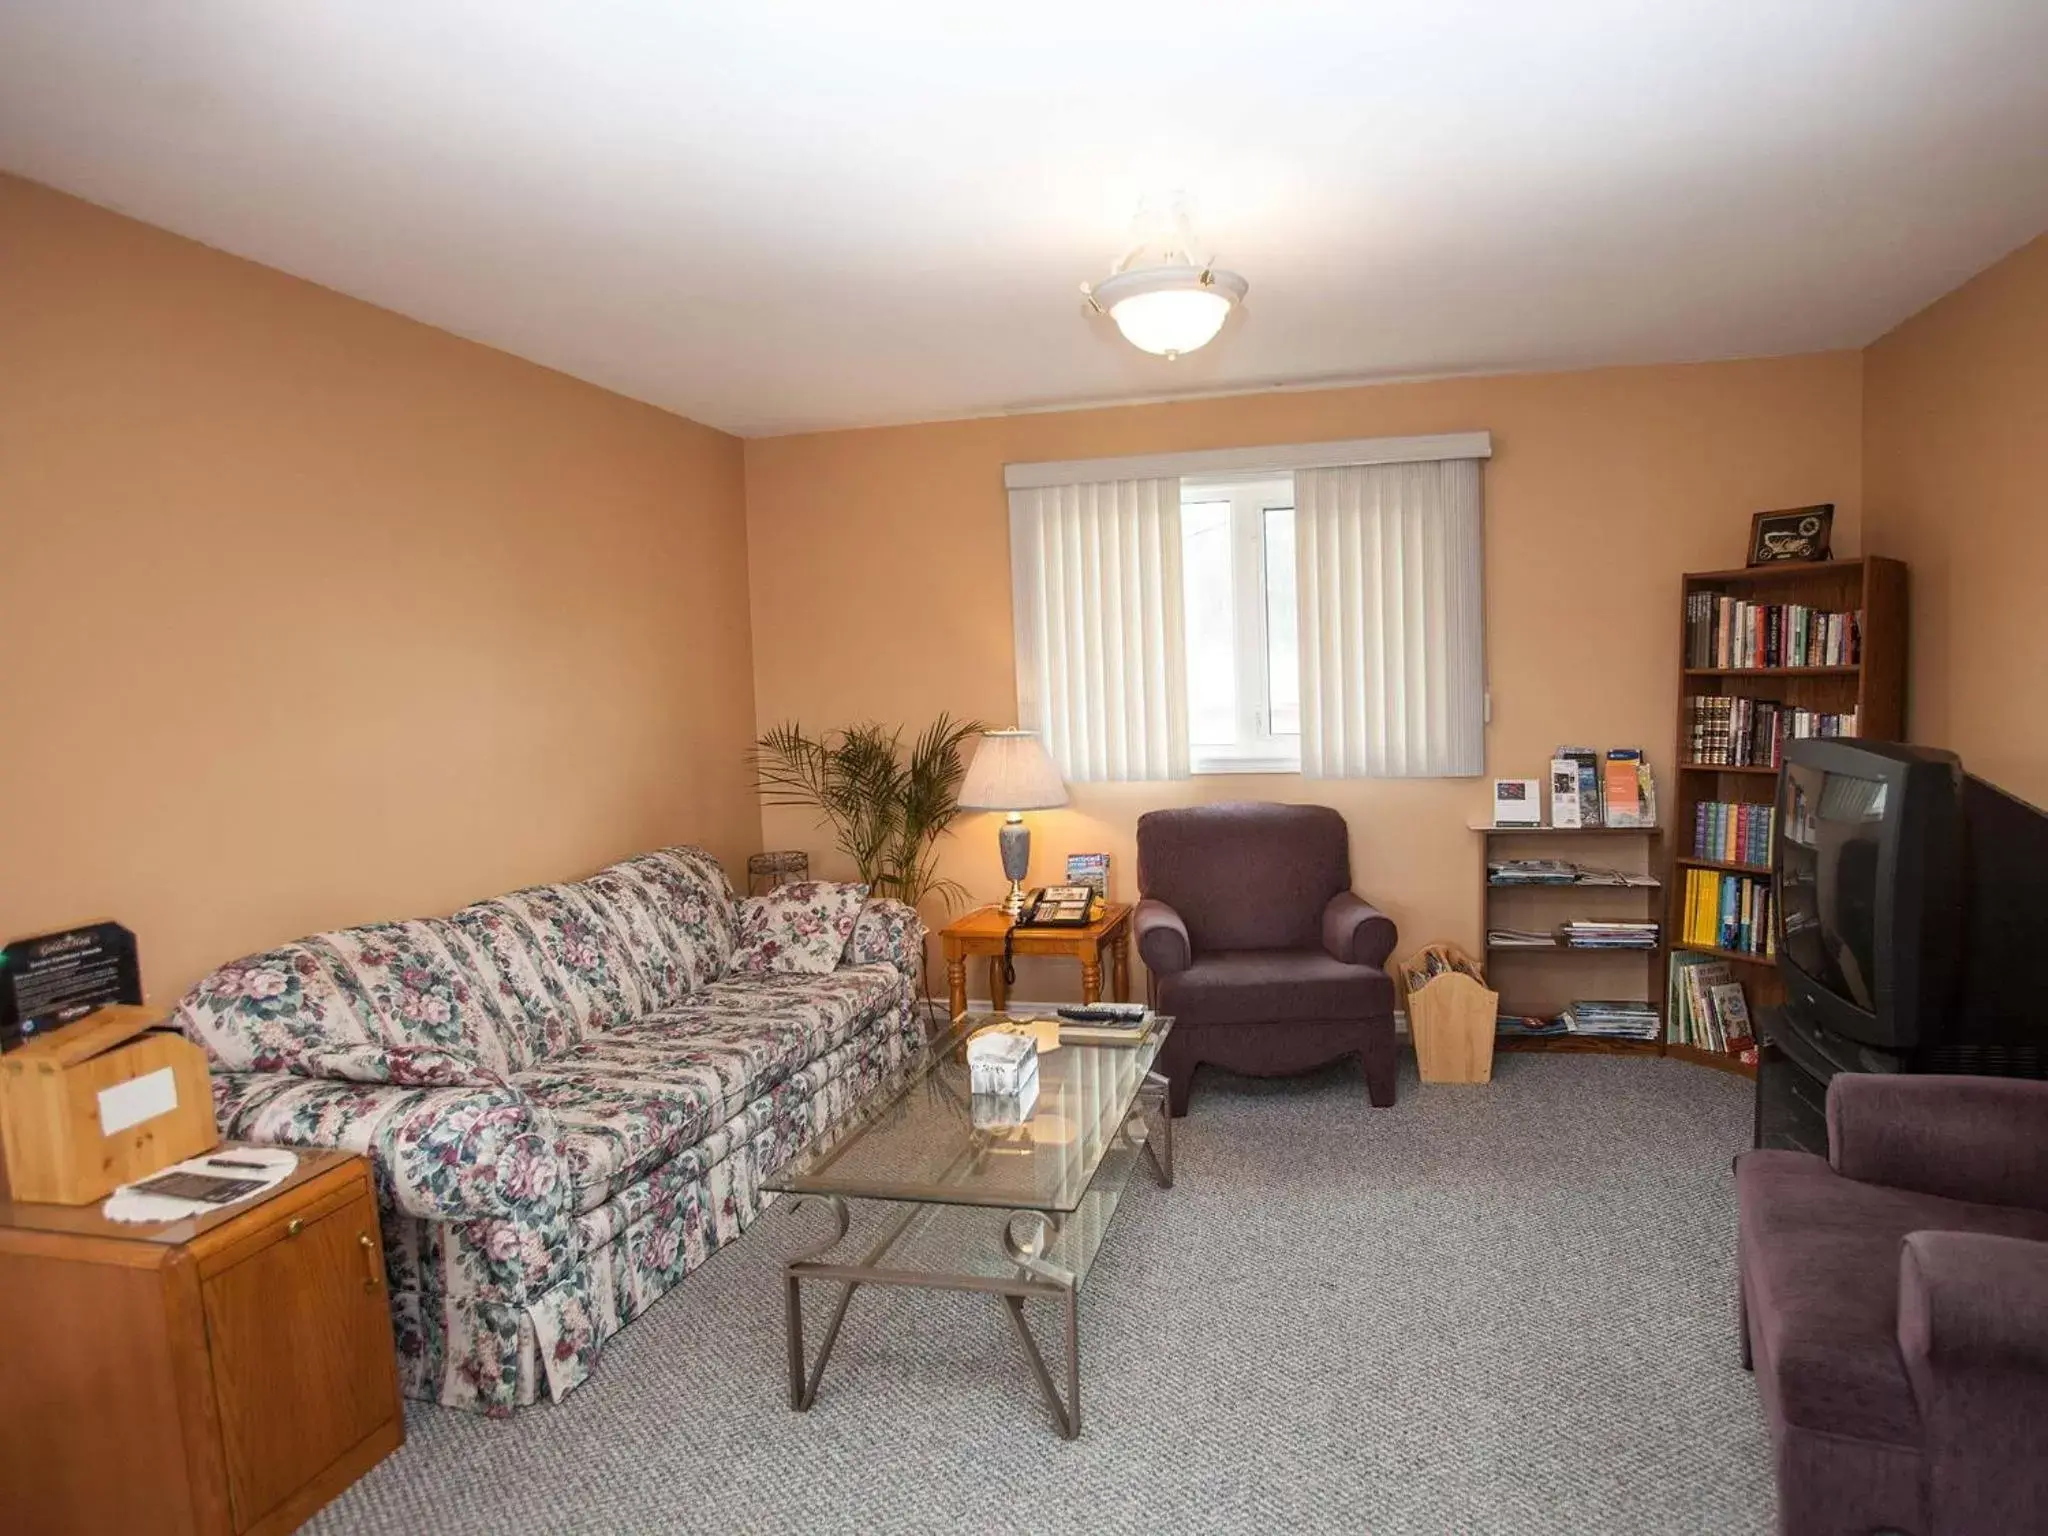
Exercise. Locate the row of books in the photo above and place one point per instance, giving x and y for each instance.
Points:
(1726, 731)
(1586, 933)
(1612, 1021)
(1511, 872)
(1586, 791)
(1733, 832)
(1730, 912)
(1730, 632)
(1599, 1020)
(1706, 1008)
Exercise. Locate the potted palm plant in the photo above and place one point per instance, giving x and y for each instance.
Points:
(887, 804)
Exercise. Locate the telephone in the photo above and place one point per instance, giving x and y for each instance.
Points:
(1058, 906)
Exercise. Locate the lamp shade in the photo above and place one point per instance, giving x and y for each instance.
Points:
(1011, 771)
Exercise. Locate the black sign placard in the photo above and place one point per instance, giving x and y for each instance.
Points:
(57, 977)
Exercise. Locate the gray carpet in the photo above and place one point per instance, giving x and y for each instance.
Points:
(1501, 1309)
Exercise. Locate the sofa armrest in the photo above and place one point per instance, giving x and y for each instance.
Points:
(1357, 932)
(1162, 937)
(888, 930)
(1964, 1138)
(1973, 1333)
(441, 1154)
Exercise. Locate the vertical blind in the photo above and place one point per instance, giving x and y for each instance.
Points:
(1387, 565)
(1096, 571)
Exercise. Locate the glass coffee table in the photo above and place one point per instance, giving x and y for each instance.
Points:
(1016, 1211)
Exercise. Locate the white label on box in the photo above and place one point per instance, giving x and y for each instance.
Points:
(139, 1099)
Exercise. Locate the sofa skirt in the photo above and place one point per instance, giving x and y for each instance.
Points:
(464, 1347)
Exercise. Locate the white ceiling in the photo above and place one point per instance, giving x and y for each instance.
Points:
(774, 216)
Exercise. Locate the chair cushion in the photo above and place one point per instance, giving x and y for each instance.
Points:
(1244, 875)
(1820, 1269)
(1269, 986)
(631, 1098)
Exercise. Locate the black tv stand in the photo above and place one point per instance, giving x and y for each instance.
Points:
(1796, 1062)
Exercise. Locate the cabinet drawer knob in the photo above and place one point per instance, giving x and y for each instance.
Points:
(293, 1227)
(369, 1260)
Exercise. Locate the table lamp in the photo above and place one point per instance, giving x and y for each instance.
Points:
(1012, 772)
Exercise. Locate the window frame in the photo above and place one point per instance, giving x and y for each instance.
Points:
(1256, 749)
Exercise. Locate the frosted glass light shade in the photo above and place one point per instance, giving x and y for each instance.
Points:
(1172, 309)
(1011, 771)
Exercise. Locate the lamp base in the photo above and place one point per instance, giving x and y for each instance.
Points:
(1013, 839)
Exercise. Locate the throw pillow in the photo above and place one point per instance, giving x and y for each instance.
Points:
(802, 927)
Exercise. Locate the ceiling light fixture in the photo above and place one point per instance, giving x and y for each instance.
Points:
(1170, 306)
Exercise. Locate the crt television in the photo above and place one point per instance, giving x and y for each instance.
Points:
(1868, 875)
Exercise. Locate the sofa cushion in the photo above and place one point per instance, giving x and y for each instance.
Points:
(1264, 986)
(677, 907)
(384, 1003)
(802, 927)
(1820, 1273)
(629, 1099)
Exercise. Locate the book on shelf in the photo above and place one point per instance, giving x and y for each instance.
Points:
(1564, 793)
(1729, 911)
(1733, 832)
(1587, 762)
(1532, 872)
(1731, 731)
(1528, 1026)
(1621, 788)
(1729, 633)
(1519, 938)
(1706, 1008)
(1588, 933)
(1731, 1018)
(1623, 1020)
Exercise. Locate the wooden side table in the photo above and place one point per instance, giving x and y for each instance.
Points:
(223, 1375)
(981, 933)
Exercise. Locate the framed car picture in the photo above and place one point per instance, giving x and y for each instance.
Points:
(1797, 533)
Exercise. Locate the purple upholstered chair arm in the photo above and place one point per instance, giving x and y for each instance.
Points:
(1162, 937)
(1964, 1138)
(1357, 932)
(1973, 1332)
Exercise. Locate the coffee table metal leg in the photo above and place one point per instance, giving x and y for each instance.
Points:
(803, 1388)
(1066, 1413)
(1028, 1253)
(1153, 1111)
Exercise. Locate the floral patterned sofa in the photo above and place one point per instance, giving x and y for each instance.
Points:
(569, 1098)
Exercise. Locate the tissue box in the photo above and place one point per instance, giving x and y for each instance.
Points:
(1005, 1111)
(1001, 1061)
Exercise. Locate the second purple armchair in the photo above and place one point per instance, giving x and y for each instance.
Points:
(1257, 946)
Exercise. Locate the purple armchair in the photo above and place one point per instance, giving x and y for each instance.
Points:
(1895, 1308)
(1257, 947)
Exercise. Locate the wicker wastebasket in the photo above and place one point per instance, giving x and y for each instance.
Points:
(1451, 1015)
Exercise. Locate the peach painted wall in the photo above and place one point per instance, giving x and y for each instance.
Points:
(310, 614)
(1955, 463)
(880, 565)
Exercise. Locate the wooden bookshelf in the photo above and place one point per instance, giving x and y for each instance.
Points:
(1538, 979)
(1873, 688)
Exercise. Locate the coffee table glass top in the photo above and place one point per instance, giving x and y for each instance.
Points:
(921, 1144)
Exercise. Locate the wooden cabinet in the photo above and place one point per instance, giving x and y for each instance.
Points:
(219, 1376)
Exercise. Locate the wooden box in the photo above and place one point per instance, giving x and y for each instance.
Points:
(223, 1375)
(1452, 1018)
(99, 1103)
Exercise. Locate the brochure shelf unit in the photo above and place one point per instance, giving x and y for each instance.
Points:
(1872, 687)
(1535, 979)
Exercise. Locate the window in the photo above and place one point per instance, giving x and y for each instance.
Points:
(1243, 662)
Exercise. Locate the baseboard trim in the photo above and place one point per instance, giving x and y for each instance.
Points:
(1032, 1005)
